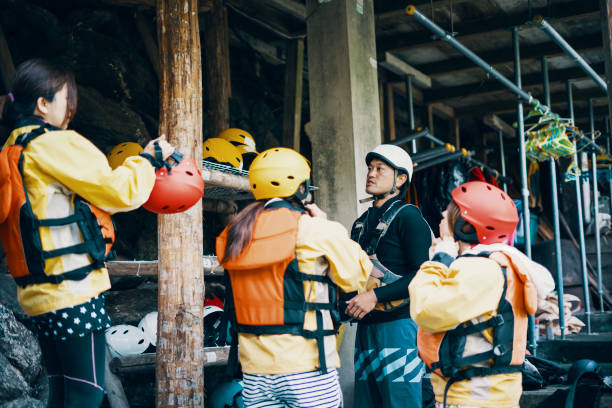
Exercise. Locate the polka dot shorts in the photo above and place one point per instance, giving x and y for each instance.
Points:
(73, 322)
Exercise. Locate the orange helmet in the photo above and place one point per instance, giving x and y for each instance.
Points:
(488, 209)
(177, 187)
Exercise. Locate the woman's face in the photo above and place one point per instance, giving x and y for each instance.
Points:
(445, 231)
(54, 112)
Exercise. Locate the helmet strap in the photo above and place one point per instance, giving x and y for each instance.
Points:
(471, 238)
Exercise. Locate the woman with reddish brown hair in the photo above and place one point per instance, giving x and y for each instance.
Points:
(471, 301)
(285, 263)
(56, 193)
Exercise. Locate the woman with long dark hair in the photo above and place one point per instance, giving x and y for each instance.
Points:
(285, 263)
(56, 193)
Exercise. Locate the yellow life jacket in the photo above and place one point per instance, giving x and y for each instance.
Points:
(446, 353)
(19, 228)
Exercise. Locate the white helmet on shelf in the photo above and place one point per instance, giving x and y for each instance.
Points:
(125, 340)
(148, 325)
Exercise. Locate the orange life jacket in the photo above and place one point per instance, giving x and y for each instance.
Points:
(265, 286)
(19, 227)
(445, 352)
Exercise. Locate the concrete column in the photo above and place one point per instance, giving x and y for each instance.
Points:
(344, 104)
(345, 119)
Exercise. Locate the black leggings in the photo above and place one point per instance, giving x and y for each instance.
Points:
(76, 370)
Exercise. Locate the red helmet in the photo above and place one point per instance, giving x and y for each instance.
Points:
(488, 209)
(176, 188)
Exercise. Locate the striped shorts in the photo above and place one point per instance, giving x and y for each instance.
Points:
(310, 389)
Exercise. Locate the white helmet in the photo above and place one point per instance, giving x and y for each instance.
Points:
(148, 325)
(394, 156)
(125, 340)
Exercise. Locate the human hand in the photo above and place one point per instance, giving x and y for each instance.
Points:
(167, 148)
(361, 305)
(314, 211)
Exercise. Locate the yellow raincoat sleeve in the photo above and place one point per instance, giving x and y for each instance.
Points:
(349, 265)
(75, 162)
(441, 297)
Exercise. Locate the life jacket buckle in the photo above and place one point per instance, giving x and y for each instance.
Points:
(497, 320)
(499, 350)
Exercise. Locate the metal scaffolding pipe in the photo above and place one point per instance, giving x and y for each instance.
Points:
(607, 127)
(583, 260)
(555, 212)
(557, 38)
(410, 109)
(532, 335)
(421, 133)
(469, 54)
(439, 160)
(596, 212)
(502, 158)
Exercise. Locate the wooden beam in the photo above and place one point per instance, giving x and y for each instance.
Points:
(504, 56)
(495, 122)
(264, 14)
(443, 110)
(294, 80)
(217, 62)
(210, 264)
(457, 133)
(179, 374)
(203, 5)
(606, 31)
(490, 25)
(7, 68)
(143, 363)
(402, 68)
(293, 8)
(492, 86)
(395, 8)
(144, 29)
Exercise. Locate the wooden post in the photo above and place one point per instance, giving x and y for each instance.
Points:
(606, 31)
(179, 373)
(217, 65)
(149, 41)
(390, 112)
(457, 133)
(6, 62)
(292, 111)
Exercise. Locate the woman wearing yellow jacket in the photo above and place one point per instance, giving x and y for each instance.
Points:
(56, 193)
(285, 263)
(471, 301)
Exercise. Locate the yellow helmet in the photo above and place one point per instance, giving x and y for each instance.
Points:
(278, 172)
(244, 142)
(121, 152)
(221, 151)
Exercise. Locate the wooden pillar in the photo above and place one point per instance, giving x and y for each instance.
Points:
(217, 64)
(457, 130)
(390, 112)
(6, 62)
(606, 31)
(292, 110)
(180, 357)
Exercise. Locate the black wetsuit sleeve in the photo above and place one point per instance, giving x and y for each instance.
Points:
(413, 236)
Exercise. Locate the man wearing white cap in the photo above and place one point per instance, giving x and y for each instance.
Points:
(388, 370)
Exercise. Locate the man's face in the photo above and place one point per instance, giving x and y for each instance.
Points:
(380, 177)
